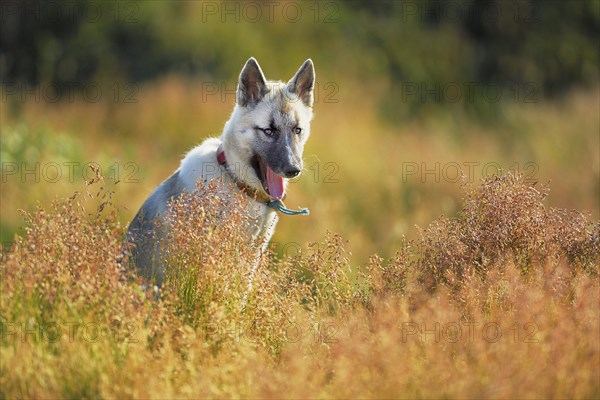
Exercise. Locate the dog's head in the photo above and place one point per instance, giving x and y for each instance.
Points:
(265, 136)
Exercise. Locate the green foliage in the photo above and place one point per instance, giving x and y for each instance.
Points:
(466, 52)
(20, 144)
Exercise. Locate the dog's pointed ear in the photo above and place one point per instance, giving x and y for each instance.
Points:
(303, 83)
(252, 84)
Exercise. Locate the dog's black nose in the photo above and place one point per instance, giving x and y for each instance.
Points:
(291, 173)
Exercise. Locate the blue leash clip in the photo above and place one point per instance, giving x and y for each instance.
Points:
(278, 205)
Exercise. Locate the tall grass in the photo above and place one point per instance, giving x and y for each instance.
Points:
(501, 301)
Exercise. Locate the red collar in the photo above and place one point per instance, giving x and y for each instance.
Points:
(250, 191)
(221, 155)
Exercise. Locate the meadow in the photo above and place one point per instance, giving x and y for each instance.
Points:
(452, 175)
(498, 298)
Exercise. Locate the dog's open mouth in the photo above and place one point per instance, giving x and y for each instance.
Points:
(270, 181)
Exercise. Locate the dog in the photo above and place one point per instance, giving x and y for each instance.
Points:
(260, 148)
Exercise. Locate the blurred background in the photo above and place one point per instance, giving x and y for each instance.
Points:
(413, 100)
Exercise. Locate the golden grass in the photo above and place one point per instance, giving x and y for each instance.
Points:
(382, 310)
(500, 302)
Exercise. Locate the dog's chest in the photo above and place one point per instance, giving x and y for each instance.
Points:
(201, 164)
(264, 220)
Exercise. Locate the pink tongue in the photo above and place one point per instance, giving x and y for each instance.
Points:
(274, 184)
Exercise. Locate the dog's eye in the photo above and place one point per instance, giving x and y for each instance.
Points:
(297, 130)
(268, 131)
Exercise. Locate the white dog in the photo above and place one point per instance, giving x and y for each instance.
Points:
(260, 148)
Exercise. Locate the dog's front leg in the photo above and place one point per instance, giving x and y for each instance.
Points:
(263, 236)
